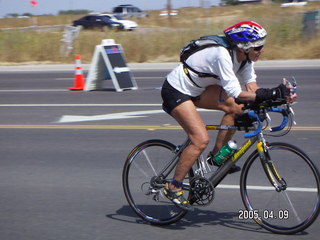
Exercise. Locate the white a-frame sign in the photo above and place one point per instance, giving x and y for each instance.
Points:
(108, 63)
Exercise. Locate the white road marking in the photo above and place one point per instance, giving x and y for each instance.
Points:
(35, 90)
(112, 116)
(84, 105)
(291, 189)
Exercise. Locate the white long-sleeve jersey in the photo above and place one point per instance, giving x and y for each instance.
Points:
(213, 60)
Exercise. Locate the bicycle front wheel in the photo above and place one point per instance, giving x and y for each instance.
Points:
(287, 211)
(143, 185)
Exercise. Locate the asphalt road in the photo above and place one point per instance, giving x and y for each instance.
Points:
(62, 154)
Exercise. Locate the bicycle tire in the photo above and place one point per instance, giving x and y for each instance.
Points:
(143, 163)
(285, 212)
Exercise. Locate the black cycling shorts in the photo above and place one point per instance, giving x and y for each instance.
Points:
(172, 97)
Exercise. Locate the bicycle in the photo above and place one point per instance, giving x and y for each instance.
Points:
(279, 183)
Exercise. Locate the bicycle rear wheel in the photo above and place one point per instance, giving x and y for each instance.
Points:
(288, 211)
(143, 187)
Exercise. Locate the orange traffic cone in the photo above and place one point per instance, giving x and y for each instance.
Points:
(78, 76)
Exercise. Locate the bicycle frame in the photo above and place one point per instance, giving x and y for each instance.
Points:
(218, 176)
(254, 137)
(222, 171)
(269, 168)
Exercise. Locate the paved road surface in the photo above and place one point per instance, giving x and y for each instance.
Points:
(61, 179)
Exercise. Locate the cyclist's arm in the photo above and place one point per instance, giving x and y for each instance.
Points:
(250, 93)
(282, 91)
(247, 96)
(254, 93)
(252, 86)
(248, 78)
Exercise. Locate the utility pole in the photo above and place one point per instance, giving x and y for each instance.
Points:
(169, 9)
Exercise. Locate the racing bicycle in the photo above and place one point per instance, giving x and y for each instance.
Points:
(279, 183)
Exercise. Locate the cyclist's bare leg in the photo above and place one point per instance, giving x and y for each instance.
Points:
(214, 97)
(190, 120)
(224, 136)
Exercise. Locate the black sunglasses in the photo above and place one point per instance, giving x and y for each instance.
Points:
(258, 48)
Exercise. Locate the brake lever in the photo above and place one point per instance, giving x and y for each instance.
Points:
(293, 114)
(294, 84)
(294, 90)
(269, 120)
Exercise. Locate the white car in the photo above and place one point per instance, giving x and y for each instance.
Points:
(173, 12)
(128, 24)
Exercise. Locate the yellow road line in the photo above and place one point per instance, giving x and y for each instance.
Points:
(115, 127)
(126, 127)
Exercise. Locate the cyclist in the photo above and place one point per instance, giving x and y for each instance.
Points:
(184, 90)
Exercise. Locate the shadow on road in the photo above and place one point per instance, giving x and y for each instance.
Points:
(196, 218)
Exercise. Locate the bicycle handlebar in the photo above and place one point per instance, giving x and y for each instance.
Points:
(257, 112)
(285, 119)
(255, 116)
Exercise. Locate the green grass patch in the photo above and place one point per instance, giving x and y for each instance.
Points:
(160, 39)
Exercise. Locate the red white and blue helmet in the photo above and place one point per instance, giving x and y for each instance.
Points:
(246, 34)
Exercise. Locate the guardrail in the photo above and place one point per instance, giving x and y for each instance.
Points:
(59, 27)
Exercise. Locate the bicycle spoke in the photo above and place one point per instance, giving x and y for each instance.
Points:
(282, 211)
(148, 160)
(290, 204)
(141, 170)
(143, 189)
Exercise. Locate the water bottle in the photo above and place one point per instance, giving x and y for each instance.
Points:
(225, 152)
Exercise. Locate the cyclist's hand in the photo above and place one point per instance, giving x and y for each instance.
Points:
(292, 93)
(280, 92)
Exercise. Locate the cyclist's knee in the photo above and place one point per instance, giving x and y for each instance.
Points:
(233, 109)
(200, 142)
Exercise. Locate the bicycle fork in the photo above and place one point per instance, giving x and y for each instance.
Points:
(269, 167)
